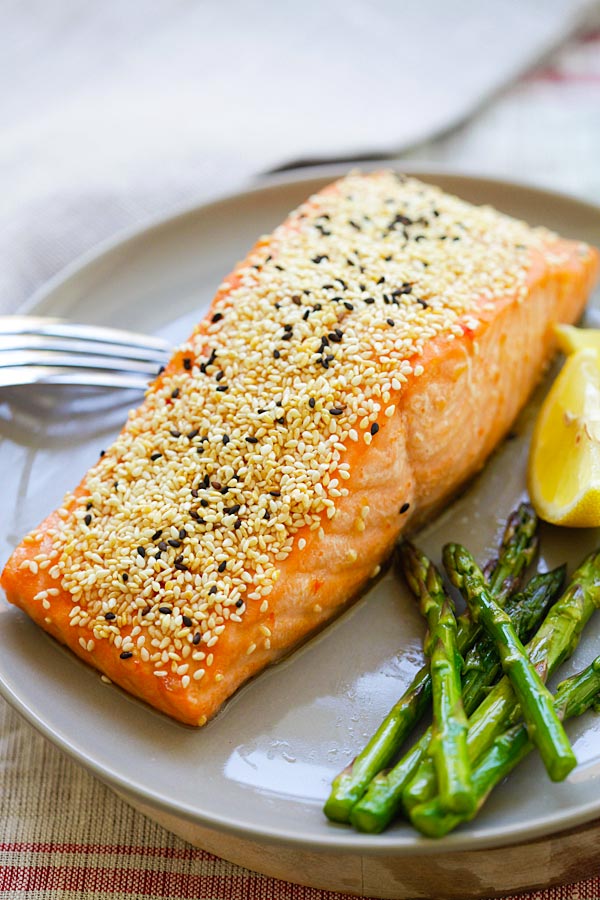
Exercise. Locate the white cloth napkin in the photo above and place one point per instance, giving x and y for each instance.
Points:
(116, 110)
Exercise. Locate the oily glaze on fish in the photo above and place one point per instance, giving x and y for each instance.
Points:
(358, 366)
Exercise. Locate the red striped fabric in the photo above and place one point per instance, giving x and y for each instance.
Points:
(213, 882)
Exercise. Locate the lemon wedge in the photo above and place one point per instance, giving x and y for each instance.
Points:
(571, 339)
(564, 458)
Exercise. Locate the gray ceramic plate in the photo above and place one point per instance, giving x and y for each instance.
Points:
(262, 768)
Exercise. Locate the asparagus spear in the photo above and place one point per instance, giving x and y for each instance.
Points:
(537, 706)
(482, 665)
(519, 544)
(382, 800)
(448, 745)
(555, 641)
(526, 610)
(573, 697)
(351, 783)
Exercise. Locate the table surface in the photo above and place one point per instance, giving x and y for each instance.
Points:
(66, 835)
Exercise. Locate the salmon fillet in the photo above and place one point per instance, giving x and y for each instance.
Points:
(352, 372)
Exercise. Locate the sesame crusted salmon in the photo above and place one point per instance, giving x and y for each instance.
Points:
(352, 372)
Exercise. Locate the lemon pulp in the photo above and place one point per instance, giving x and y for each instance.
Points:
(564, 460)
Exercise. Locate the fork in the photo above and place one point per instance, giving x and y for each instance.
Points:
(39, 350)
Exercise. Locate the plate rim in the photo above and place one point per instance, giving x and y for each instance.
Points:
(341, 839)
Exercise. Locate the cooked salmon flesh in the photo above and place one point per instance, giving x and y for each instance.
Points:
(352, 372)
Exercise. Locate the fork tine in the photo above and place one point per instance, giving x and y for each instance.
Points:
(63, 328)
(55, 375)
(40, 342)
(14, 358)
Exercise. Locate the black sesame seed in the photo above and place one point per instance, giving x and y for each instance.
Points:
(224, 490)
(195, 516)
(181, 567)
(163, 546)
(126, 654)
(157, 534)
(217, 317)
(146, 610)
(174, 433)
(213, 590)
(125, 576)
(423, 303)
(369, 300)
(216, 485)
(275, 493)
(175, 394)
(222, 388)
(251, 440)
(155, 456)
(305, 314)
(222, 566)
(334, 337)
(173, 543)
(165, 610)
(141, 551)
(374, 428)
(220, 375)
(182, 533)
(189, 623)
(204, 503)
(226, 439)
(390, 322)
(276, 354)
(404, 508)
(318, 259)
(335, 411)
(197, 638)
(239, 603)
(230, 510)
(206, 481)
(89, 504)
(109, 616)
(187, 363)
(160, 371)
(87, 519)
(237, 524)
(381, 280)
(101, 454)
(312, 402)
(354, 225)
